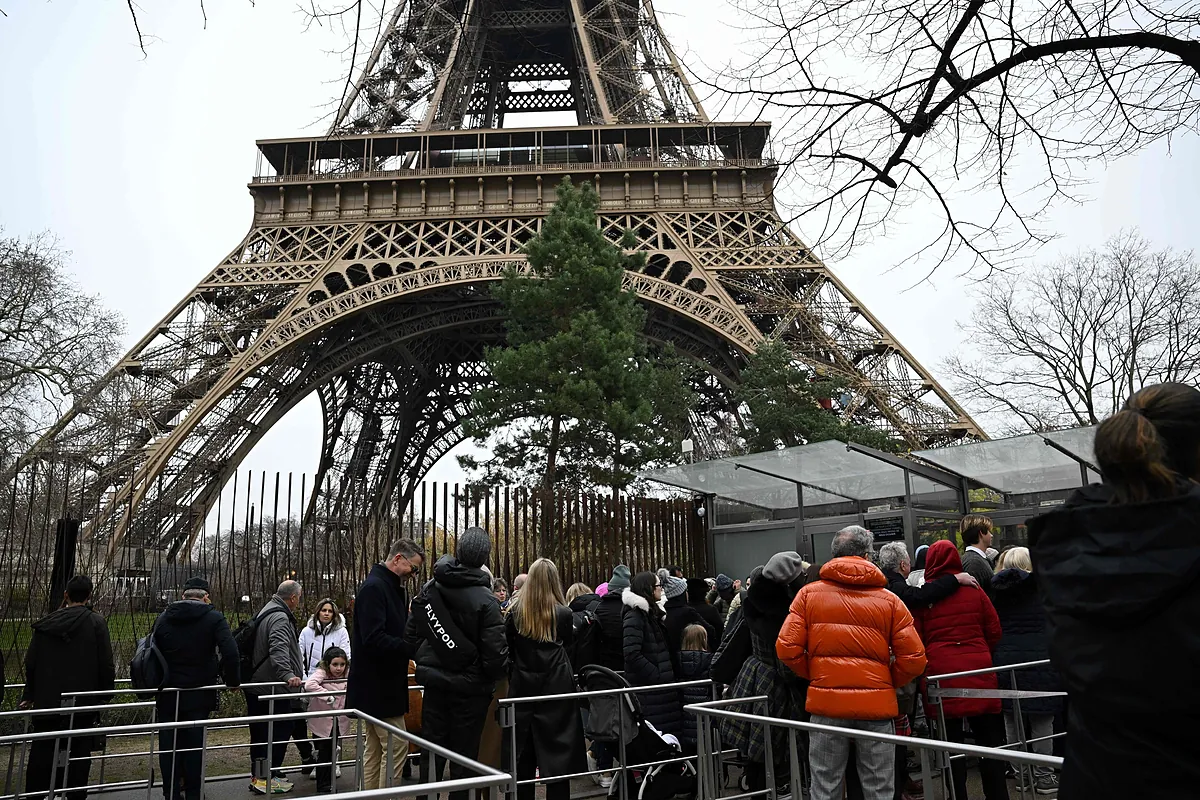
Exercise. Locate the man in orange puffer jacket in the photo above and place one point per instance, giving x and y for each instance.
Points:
(855, 642)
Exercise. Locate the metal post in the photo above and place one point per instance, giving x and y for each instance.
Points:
(358, 753)
(769, 757)
(174, 753)
(203, 755)
(25, 744)
(948, 769)
(270, 758)
(508, 726)
(1024, 770)
(623, 789)
(153, 742)
(795, 781)
(389, 759)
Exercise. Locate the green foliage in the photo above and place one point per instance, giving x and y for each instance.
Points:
(783, 400)
(578, 399)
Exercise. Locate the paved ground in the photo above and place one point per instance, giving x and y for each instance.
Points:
(237, 789)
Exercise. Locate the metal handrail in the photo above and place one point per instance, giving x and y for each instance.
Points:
(985, 671)
(176, 689)
(716, 708)
(542, 698)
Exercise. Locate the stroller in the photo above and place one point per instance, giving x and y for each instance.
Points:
(622, 713)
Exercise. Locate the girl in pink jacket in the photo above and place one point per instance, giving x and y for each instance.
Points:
(329, 676)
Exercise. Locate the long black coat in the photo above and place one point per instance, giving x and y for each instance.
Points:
(696, 592)
(1122, 595)
(377, 685)
(766, 608)
(648, 662)
(189, 634)
(610, 612)
(553, 729)
(1024, 639)
(70, 651)
(679, 616)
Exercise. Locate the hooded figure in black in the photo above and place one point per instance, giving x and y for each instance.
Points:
(190, 634)
(679, 614)
(70, 651)
(697, 591)
(610, 611)
(1118, 568)
(459, 681)
(648, 657)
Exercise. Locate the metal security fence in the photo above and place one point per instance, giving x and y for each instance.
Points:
(268, 527)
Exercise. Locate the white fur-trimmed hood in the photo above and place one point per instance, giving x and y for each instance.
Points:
(634, 600)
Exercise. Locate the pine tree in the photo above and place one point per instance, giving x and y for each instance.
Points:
(788, 405)
(578, 399)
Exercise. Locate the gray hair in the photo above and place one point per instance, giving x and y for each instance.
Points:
(288, 589)
(892, 555)
(407, 548)
(853, 540)
(194, 594)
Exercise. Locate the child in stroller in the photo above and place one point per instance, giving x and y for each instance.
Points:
(615, 716)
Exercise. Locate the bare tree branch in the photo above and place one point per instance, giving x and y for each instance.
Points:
(887, 106)
(1065, 344)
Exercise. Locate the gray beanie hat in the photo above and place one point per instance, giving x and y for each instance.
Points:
(785, 567)
(673, 587)
(620, 579)
(473, 548)
(724, 583)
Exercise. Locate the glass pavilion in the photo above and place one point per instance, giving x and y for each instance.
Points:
(797, 498)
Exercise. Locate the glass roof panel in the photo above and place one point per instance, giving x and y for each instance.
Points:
(724, 479)
(1080, 441)
(1020, 465)
(830, 466)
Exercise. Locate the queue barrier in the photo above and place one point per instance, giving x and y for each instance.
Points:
(709, 765)
(935, 692)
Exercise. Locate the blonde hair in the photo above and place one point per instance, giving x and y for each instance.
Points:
(534, 608)
(695, 637)
(577, 590)
(1015, 558)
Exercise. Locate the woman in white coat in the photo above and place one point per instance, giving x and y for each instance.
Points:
(326, 629)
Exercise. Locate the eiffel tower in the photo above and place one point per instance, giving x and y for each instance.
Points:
(365, 276)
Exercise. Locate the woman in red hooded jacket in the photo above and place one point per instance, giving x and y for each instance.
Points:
(960, 632)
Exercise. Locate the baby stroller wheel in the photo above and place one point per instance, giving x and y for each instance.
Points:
(744, 782)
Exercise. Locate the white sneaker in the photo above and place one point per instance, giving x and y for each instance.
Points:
(606, 780)
(337, 756)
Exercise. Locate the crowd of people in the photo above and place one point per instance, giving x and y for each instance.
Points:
(1106, 591)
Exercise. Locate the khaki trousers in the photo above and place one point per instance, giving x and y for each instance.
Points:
(375, 742)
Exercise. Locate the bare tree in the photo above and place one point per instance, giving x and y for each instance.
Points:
(986, 113)
(1065, 344)
(55, 340)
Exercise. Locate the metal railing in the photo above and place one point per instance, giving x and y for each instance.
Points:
(621, 766)
(709, 769)
(935, 692)
(709, 765)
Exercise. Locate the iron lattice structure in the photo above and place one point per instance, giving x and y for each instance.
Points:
(366, 275)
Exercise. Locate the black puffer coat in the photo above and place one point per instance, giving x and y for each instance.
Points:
(467, 593)
(1121, 588)
(679, 616)
(694, 665)
(766, 608)
(1024, 639)
(611, 613)
(648, 661)
(553, 729)
(189, 634)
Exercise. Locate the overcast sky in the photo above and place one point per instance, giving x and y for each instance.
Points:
(140, 165)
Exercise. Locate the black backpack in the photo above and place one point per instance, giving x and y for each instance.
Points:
(245, 638)
(148, 667)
